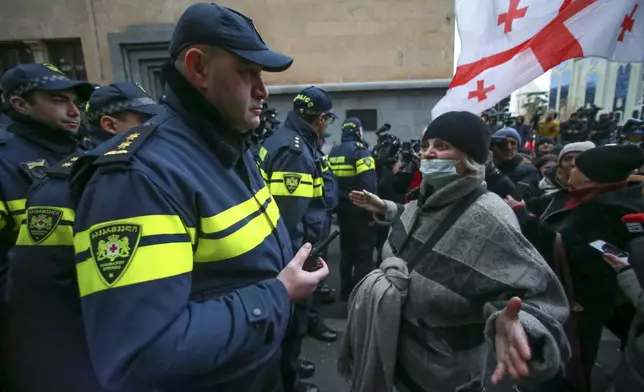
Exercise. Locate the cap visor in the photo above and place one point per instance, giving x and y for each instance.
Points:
(271, 61)
(83, 89)
(334, 115)
(152, 110)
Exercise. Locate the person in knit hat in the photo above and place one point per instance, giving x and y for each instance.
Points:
(488, 262)
(606, 165)
(544, 146)
(592, 209)
(567, 158)
(505, 147)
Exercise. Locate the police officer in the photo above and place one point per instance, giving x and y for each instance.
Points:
(4, 119)
(292, 164)
(184, 268)
(46, 331)
(323, 294)
(355, 168)
(42, 104)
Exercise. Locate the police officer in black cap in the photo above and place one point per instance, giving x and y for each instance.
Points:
(45, 332)
(185, 271)
(4, 119)
(117, 108)
(42, 103)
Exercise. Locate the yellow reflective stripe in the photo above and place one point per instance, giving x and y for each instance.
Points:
(343, 170)
(229, 217)
(307, 186)
(262, 153)
(62, 235)
(241, 241)
(150, 224)
(16, 205)
(68, 213)
(148, 263)
(263, 173)
(335, 160)
(362, 167)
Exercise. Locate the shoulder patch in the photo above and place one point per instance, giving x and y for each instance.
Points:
(35, 170)
(41, 222)
(127, 145)
(292, 182)
(113, 246)
(368, 161)
(297, 144)
(64, 167)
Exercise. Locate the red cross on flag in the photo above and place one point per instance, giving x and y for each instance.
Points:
(505, 44)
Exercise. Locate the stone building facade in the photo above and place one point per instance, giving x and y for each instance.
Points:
(613, 86)
(390, 60)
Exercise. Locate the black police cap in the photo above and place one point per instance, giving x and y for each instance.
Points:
(213, 25)
(44, 77)
(119, 97)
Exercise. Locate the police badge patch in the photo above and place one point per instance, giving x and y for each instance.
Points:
(41, 222)
(36, 170)
(292, 181)
(368, 162)
(113, 247)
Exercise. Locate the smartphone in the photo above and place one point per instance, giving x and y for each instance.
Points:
(313, 263)
(605, 247)
(519, 191)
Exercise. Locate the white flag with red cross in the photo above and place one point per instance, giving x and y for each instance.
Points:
(505, 44)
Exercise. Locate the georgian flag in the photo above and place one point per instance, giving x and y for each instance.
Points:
(505, 44)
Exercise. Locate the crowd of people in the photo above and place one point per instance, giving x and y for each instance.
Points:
(169, 246)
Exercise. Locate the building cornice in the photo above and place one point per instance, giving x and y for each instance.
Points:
(364, 86)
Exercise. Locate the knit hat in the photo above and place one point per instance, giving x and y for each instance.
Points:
(575, 147)
(544, 140)
(609, 164)
(509, 132)
(465, 131)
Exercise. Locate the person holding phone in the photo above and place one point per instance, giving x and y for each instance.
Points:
(599, 196)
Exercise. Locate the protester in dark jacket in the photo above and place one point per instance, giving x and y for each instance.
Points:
(524, 130)
(605, 129)
(544, 145)
(510, 163)
(574, 130)
(598, 197)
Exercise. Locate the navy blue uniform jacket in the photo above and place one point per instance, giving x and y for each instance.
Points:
(177, 258)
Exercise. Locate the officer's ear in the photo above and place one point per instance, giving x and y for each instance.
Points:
(20, 105)
(109, 124)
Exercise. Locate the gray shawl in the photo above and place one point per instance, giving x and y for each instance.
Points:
(455, 295)
(369, 346)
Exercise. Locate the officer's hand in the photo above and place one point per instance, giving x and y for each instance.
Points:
(299, 283)
(368, 201)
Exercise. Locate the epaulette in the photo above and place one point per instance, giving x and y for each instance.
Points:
(359, 145)
(127, 145)
(296, 144)
(64, 167)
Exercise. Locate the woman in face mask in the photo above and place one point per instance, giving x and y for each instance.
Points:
(458, 283)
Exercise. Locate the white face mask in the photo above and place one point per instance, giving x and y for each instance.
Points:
(438, 172)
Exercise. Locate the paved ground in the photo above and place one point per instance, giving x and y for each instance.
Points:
(325, 355)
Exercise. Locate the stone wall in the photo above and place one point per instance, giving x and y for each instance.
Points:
(332, 41)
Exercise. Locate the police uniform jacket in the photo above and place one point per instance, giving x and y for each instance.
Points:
(45, 327)
(25, 154)
(292, 166)
(178, 244)
(354, 167)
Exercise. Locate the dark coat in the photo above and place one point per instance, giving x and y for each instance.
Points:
(594, 282)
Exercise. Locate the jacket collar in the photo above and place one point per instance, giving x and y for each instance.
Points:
(349, 137)
(293, 121)
(51, 139)
(202, 118)
(97, 135)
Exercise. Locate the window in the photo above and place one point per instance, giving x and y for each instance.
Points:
(12, 54)
(554, 89)
(368, 118)
(67, 55)
(621, 87)
(592, 80)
